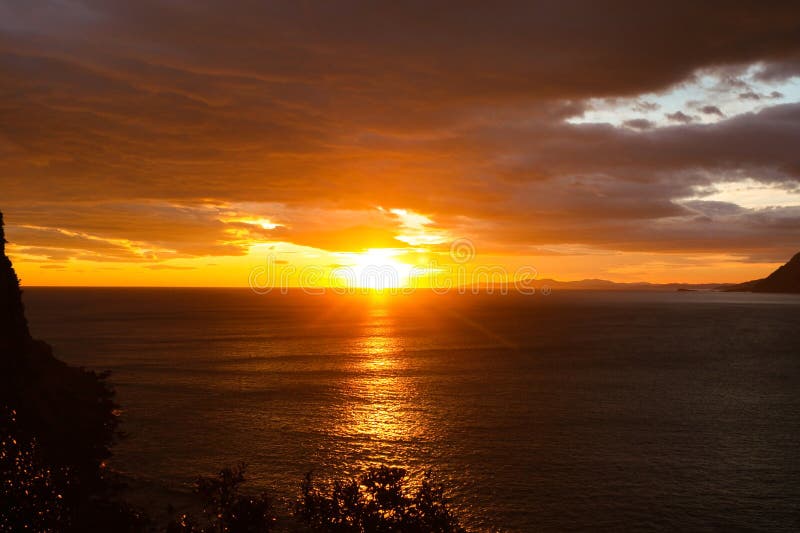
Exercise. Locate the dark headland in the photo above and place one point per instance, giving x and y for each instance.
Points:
(784, 280)
(57, 425)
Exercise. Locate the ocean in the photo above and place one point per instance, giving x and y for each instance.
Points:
(572, 411)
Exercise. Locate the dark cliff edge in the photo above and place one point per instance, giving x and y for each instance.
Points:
(785, 279)
(15, 338)
(57, 421)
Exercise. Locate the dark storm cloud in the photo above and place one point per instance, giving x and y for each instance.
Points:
(762, 142)
(780, 71)
(551, 49)
(137, 120)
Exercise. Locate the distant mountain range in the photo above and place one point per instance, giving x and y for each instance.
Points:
(598, 285)
(605, 285)
(785, 279)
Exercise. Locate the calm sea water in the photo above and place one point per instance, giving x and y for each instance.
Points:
(601, 411)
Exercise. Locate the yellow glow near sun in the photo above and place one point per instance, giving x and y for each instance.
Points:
(416, 229)
(264, 223)
(376, 269)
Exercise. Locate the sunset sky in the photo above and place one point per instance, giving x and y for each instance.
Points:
(188, 142)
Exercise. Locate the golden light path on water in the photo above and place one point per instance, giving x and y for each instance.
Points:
(384, 414)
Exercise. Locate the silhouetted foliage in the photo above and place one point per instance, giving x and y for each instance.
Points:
(58, 425)
(29, 497)
(106, 512)
(36, 496)
(225, 509)
(376, 502)
(67, 416)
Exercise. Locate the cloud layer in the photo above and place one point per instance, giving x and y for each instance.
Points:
(147, 131)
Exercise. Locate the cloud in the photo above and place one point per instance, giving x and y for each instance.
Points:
(639, 124)
(643, 105)
(781, 70)
(147, 131)
(168, 267)
(680, 116)
(712, 110)
(713, 208)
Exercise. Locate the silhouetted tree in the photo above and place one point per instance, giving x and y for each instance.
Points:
(225, 509)
(376, 502)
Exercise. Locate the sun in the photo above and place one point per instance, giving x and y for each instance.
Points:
(376, 269)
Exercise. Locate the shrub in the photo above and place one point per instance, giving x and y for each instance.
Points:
(225, 509)
(376, 502)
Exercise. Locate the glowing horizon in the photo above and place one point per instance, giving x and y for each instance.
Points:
(143, 155)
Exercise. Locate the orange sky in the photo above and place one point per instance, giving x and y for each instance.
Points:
(168, 143)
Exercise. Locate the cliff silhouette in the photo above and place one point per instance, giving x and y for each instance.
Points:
(14, 334)
(57, 424)
(785, 279)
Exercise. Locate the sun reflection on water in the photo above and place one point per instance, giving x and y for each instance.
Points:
(382, 414)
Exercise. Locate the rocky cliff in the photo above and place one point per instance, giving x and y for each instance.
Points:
(786, 279)
(66, 414)
(14, 335)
